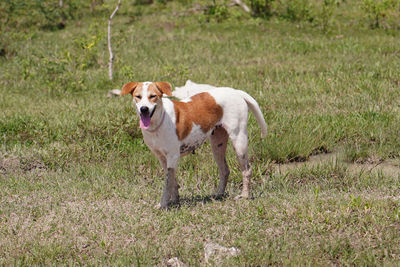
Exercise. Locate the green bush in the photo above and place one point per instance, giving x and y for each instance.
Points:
(217, 11)
(45, 14)
(292, 10)
(378, 10)
(326, 13)
(261, 8)
(298, 10)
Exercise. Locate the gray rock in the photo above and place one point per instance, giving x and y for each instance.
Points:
(175, 262)
(217, 252)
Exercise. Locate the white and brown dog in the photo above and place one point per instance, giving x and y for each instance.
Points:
(172, 129)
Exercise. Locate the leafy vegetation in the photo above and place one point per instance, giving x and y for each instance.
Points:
(378, 10)
(78, 185)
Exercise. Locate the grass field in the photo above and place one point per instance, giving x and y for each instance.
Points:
(78, 185)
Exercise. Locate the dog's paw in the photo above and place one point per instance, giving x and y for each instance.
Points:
(158, 206)
(166, 207)
(218, 196)
(171, 204)
(242, 196)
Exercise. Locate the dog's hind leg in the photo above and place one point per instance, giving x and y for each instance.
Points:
(240, 144)
(219, 141)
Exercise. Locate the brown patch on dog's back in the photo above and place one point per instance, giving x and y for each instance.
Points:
(202, 110)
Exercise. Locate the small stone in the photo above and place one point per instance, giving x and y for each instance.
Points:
(212, 250)
(175, 262)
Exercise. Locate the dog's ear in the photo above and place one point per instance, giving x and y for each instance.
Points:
(164, 87)
(128, 88)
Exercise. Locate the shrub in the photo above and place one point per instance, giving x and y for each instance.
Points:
(326, 13)
(377, 10)
(45, 14)
(297, 10)
(217, 11)
(261, 8)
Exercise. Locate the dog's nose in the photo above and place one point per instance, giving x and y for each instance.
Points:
(144, 110)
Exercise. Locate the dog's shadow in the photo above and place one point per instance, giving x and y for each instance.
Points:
(201, 200)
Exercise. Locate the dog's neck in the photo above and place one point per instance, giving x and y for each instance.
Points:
(152, 130)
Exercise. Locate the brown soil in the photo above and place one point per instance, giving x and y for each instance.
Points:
(12, 163)
(387, 167)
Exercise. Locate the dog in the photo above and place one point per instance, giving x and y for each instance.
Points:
(172, 128)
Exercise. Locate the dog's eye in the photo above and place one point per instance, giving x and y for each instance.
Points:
(138, 96)
(152, 96)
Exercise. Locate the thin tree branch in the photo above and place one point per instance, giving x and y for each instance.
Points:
(110, 64)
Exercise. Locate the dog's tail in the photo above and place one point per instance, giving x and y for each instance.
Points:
(255, 108)
(114, 92)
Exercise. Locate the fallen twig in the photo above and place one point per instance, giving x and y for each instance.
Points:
(243, 5)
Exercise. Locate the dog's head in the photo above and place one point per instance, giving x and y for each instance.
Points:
(147, 98)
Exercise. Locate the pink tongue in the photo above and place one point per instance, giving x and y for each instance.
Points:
(145, 121)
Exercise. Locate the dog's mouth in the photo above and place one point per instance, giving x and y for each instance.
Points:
(145, 119)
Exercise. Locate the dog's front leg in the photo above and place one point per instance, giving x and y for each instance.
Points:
(170, 194)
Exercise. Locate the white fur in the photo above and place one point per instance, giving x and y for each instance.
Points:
(190, 89)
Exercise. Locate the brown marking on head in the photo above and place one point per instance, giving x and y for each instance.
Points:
(154, 90)
(138, 92)
(164, 87)
(129, 88)
(153, 93)
(202, 110)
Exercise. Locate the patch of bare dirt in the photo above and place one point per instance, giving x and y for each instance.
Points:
(10, 163)
(387, 167)
(167, 26)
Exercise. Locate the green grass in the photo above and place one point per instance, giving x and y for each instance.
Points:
(78, 185)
